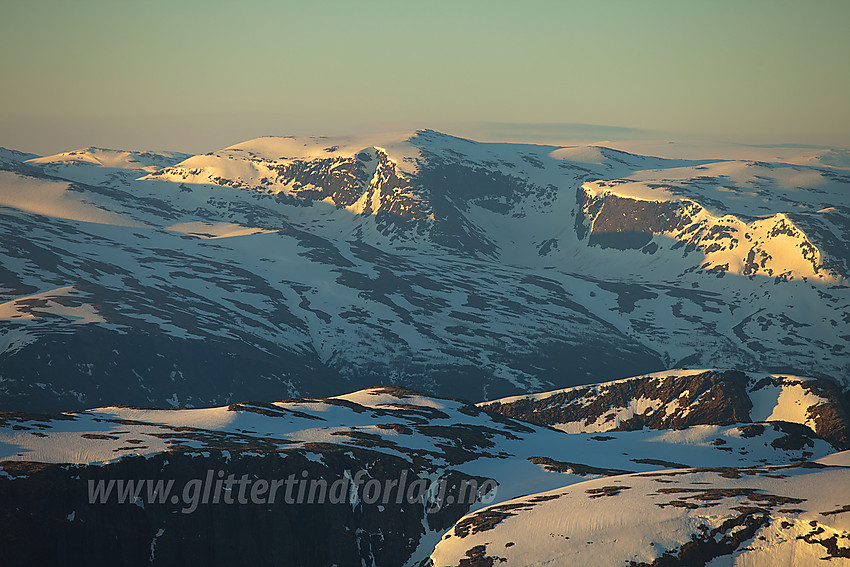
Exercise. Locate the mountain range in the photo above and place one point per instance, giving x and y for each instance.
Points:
(264, 354)
(317, 266)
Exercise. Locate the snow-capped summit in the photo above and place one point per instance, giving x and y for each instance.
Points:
(101, 166)
(115, 159)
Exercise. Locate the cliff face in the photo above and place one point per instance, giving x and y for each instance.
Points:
(681, 399)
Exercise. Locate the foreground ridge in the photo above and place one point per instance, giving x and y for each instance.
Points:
(143, 479)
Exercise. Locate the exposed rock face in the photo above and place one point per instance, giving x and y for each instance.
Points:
(742, 246)
(677, 400)
(623, 223)
(722, 399)
(369, 178)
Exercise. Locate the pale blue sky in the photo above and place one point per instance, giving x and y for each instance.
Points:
(199, 75)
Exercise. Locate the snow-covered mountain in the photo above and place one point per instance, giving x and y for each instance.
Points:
(315, 266)
(759, 516)
(538, 493)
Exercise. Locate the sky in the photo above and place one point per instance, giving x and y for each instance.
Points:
(199, 75)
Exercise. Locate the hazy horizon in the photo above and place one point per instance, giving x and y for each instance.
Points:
(194, 76)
